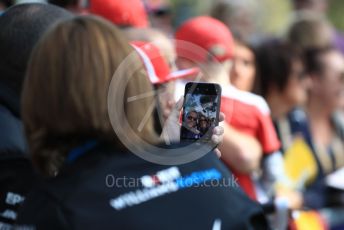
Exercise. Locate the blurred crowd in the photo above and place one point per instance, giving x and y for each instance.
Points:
(83, 83)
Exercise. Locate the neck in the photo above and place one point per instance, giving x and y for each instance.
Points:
(318, 110)
(319, 119)
(278, 107)
(218, 73)
(220, 78)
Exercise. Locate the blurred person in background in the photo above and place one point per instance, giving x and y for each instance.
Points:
(288, 86)
(238, 15)
(160, 15)
(318, 8)
(239, 18)
(282, 80)
(309, 31)
(284, 84)
(21, 28)
(243, 71)
(325, 132)
(326, 68)
(72, 141)
(313, 32)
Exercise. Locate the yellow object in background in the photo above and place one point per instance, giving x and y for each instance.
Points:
(309, 220)
(300, 164)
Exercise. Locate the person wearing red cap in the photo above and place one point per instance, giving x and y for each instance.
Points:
(160, 75)
(206, 42)
(165, 88)
(128, 13)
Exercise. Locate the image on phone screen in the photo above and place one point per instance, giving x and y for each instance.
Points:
(200, 111)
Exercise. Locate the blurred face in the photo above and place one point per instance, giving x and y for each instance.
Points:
(328, 85)
(166, 98)
(319, 6)
(296, 91)
(191, 120)
(203, 122)
(243, 70)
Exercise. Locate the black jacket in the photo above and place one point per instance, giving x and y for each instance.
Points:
(106, 189)
(16, 172)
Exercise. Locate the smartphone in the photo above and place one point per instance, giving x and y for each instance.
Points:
(201, 110)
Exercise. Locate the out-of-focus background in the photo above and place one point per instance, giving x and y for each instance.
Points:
(269, 17)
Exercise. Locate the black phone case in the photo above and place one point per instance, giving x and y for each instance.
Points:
(201, 88)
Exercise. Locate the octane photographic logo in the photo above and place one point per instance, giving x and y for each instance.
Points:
(164, 154)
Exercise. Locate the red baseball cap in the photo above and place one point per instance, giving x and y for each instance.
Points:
(157, 68)
(213, 38)
(121, 12)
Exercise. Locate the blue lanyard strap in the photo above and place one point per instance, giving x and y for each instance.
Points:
(80, 150)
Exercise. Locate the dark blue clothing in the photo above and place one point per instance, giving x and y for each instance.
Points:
(188, 134)
(105, 188)
(16, 172)
(12, 139)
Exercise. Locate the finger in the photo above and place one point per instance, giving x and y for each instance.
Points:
(216, 139)
(222, 117)
(179, 104)
(218, 130)
(175, 113)
(171, 103)
(217, 152)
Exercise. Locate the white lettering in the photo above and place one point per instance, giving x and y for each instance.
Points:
(13, 198)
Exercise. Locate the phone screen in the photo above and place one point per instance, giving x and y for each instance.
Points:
(200, 111)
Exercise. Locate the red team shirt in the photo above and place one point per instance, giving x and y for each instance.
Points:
(250, 114)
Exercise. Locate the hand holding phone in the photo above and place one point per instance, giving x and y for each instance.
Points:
(200, 111)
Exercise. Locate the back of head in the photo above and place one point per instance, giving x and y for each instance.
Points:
(65, 102)
(21, 27)
(310, 31)
(311, 5)
(238, 15)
